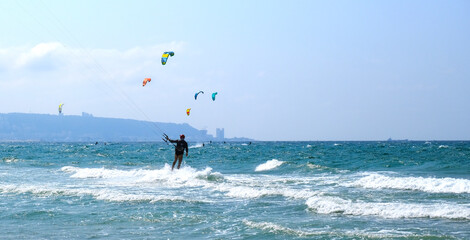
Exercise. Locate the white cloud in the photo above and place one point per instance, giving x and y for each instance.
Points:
(37, 52)
(77, 63)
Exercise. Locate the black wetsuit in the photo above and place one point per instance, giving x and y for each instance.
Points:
(181, 145)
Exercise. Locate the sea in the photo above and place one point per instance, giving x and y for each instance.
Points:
(242, 190)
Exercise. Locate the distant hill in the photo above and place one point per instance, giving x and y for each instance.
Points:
(46, 127)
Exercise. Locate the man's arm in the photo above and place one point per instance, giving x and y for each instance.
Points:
(168, 139)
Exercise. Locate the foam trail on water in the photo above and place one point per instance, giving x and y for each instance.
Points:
(271, 164)
(332, 205)
(433, 185)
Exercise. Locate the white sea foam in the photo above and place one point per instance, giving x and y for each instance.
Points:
(198, 145)
(271, 164)
(164, 177)
(256, 192)
(10, 159)
(443, 146)
(276, 228)
(234, 186)
(336, 205)
(433, 185)
(113, 173)
(315, 166)
(103, 172)
(331, 233)
(129, 185)
(105, 194)
(243, 186)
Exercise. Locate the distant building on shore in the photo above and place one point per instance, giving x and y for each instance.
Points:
(219, 134)
(84, 114)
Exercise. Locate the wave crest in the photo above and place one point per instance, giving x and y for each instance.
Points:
(331, 205)
(433, 185)
(271, 164)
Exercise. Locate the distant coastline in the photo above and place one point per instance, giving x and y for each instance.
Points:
(28, 127)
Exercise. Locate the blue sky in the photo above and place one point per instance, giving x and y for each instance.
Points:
(283, 70)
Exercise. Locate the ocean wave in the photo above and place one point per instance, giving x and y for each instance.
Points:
(269, 165)
(142, 175)
(11, 160)
(336, 205)
(313, 166)
(232, 186)
(245, 186)
(333, 233)
(199, 145)
(276, 228)
(433, 185)
(97, 193)
(257, 192)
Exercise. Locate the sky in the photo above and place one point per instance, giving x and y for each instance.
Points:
(284, 70)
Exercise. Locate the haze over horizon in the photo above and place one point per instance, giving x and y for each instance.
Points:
(299, 70)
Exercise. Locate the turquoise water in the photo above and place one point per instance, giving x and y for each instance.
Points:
(266, 190)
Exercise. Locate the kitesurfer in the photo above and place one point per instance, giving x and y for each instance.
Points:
(181, 145)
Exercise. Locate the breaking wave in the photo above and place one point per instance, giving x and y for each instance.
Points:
(433, 185)
(336, 205)
(269, 165)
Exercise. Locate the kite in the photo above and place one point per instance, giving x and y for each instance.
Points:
(195, 96)
(213, 96)
(60, 108)
(165, 56)
(146, 80)
(187, 111)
